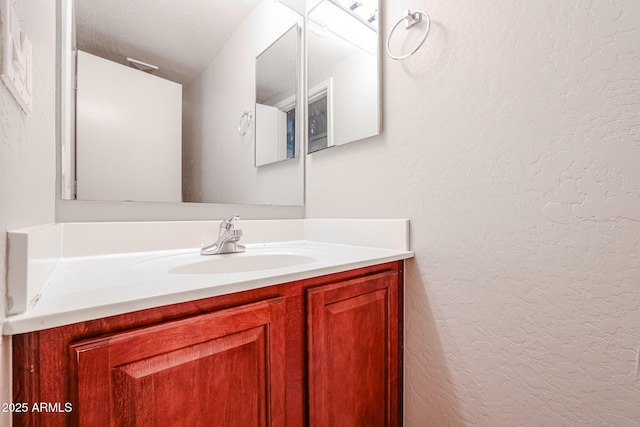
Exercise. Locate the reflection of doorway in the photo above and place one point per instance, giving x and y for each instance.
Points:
(318, 124)
(320, 117)
(291, 133)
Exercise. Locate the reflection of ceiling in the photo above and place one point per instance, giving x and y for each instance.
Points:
(334, 34)
(325, 50)
(180, 37)
(276, 70)
(367, 10)
(342, 22)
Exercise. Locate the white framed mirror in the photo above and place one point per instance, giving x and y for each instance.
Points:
(208, 48)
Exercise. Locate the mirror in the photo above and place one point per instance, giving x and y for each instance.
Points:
(208, 49)
(344, 68)
(276, 100)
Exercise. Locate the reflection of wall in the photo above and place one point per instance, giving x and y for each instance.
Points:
(128, 133)
(271, 126)
(213, 105)
(514, 150)
(27, 154)
(355, 104)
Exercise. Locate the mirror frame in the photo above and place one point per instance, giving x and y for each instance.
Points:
(78, 210)
(69, 209)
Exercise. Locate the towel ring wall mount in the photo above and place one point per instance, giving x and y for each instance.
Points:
(245, 121)
(411, 18)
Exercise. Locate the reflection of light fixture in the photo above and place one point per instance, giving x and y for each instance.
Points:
(316, 28)
(366, 10)
(142, 66)
(332, 17)
(372, 18)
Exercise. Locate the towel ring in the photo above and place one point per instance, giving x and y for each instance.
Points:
(243, 128)
(411, 18)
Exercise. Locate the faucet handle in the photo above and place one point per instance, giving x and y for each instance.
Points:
(227, 224)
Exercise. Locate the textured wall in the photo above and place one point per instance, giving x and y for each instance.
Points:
(512, 143)
(27, 151)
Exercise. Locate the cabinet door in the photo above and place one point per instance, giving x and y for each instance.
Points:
(354, 355)
(223, 368)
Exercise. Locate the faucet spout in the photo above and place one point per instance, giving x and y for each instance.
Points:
(228, 238)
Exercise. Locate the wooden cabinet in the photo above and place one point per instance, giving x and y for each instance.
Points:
(353, 360)
(318, 352)
(173, 373)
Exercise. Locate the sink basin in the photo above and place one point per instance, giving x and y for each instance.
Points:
(256, 258)
(237, 263)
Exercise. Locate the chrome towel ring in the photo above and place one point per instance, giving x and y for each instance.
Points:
(411, 18)
(245, 121)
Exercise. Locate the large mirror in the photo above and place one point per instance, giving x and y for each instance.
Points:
(344, 69)
(188, 70)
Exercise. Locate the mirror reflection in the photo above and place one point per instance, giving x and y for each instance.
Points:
(276, 100)
(192, 149)
(344, 92)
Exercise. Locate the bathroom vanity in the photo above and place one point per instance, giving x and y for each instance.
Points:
(321, 351)
(320, 344)
(126, 323)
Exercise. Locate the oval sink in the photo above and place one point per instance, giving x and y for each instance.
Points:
(238, 263)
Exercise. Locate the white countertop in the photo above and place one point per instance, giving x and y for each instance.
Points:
(90, 287)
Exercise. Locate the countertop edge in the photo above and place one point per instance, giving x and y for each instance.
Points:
(29, 322)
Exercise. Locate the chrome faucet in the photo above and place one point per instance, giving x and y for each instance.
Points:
(228, 237)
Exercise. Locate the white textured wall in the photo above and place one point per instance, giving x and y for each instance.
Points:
(218, 163)
(512, 142)
(27, 152)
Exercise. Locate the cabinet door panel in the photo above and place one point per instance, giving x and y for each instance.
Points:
(224, 368)
(353, 352)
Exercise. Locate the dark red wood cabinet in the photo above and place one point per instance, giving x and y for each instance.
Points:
(353, 359)
(325, 351)
(239, 350)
